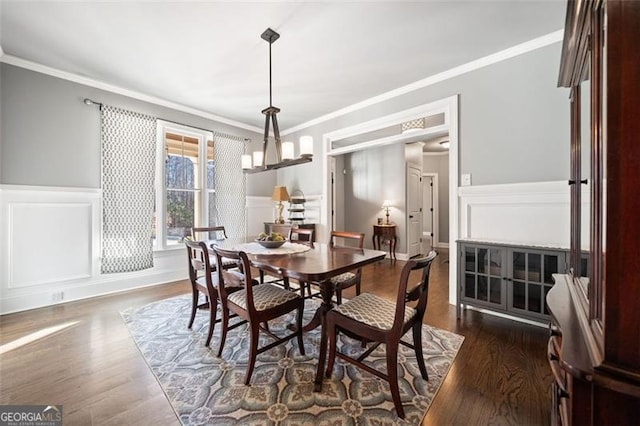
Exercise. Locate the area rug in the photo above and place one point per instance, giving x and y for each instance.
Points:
(206, 390)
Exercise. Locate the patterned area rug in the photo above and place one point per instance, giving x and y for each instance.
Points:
(204, 389)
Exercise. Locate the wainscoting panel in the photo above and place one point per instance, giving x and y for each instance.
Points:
(49, 242)
(523, 213)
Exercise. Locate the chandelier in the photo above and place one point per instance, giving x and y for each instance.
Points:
(285, 154)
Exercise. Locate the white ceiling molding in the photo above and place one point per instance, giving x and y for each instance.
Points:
(43, 69)
(494, 58)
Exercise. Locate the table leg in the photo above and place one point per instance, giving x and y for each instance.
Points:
(392, 247)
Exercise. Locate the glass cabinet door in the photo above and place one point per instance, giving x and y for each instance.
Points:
(483, 275)
(532, 278)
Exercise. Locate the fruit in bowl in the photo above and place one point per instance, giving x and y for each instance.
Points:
(270, 240)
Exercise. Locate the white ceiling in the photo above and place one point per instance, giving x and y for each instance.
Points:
(209, 55)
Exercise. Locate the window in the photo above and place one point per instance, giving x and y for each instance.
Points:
(185, 188)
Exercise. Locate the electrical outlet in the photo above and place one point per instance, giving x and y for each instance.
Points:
(466, 180)
(57, 296)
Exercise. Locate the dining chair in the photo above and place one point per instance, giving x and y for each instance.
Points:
(373, 319)
(258, 305)
(213, 233)
(351, 278)
(204, 280)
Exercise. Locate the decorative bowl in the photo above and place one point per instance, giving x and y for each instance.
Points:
(270, 244)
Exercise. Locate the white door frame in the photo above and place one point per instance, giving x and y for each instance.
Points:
(435, 240)
(407, 212)
(448, 106)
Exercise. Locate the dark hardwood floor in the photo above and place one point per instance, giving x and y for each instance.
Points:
(93, 368)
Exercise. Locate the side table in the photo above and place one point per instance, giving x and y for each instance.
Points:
(383, 233)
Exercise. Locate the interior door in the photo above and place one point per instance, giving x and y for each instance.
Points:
(428, 230)
(414, 210)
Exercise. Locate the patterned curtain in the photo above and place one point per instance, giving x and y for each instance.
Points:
(230, 184)
(128, 178)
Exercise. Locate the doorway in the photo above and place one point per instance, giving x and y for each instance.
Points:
(369, 134)
(429, 211)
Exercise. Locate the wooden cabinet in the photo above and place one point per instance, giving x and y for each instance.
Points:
(385, 233)
(594, 349)
(512, 279)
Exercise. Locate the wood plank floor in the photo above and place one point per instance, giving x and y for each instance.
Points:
(93, 368)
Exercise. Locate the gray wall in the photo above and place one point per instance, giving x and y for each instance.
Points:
(440, 164)
(50, 137)
(370, 177)
(514, 122)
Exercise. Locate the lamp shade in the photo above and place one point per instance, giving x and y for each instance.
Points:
(280, 194)
(246, 161)
(306, 145)
(387, 203)
(257, 158)
(287, 151)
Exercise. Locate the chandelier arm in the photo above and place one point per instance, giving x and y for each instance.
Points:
(265, 144)
(276, 134)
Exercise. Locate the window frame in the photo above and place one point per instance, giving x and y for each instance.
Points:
(201, 191)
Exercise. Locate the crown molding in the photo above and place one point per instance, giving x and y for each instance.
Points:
(43, 69)
(494, 58)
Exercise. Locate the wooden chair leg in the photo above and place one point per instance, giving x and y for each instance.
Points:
(358, 288)
(339, 296)
(223, 332)
(417, 346)
(299, 327)
(392, 372)
(194, 307)
(212, 320)
(331, 351)
(261, 276)
(253, 352)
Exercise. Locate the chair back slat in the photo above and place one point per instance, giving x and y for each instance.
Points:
(217, 233)
(345, 236)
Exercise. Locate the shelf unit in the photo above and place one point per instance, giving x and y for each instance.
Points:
(296, 207)
(507, 278)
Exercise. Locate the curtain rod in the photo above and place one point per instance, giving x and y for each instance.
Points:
(90, 102)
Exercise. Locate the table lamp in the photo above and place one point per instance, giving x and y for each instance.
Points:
(280, 194)
(386, 205)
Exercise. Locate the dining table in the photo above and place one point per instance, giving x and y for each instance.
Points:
(316, 263)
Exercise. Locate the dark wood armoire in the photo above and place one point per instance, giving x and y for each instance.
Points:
(594, 347)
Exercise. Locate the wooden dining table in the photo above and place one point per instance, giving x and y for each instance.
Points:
(317, 265)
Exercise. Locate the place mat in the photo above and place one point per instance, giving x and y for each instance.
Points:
(286, 248)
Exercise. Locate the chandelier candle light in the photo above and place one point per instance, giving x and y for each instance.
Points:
(280, 194)
(386, 205)
(285, 154)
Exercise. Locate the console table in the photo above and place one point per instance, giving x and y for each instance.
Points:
(383, 233)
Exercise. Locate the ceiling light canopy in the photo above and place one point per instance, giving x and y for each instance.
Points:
(285, 154)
